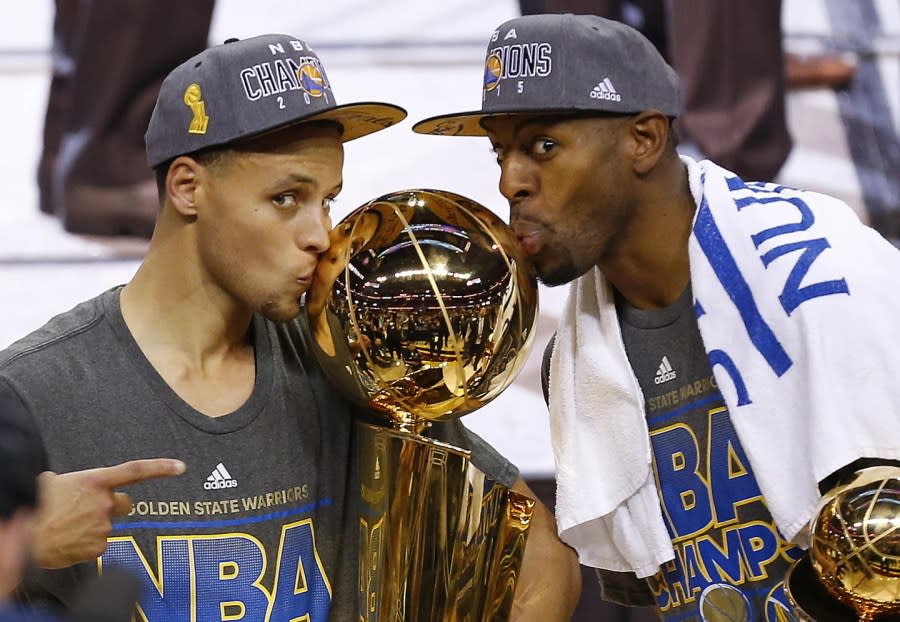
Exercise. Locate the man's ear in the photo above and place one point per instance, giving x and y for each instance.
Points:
(650, 133)
(182, 183)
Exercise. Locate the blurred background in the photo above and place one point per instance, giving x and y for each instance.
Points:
(426, 56)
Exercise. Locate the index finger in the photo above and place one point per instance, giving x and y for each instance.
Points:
(135, 471)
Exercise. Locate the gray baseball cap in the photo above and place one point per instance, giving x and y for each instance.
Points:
(245, 88)
(565, 64)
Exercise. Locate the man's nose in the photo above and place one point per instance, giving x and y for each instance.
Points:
(516, 178)
(313, 233)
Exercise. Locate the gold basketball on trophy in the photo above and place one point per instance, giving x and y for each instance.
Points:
(854, 551)
(423, 308)
(423, 311)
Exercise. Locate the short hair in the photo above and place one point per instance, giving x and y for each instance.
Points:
(213, 156)
(207, 157)
(673, 139)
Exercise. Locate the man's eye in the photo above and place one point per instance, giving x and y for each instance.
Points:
(328, 203)
(498, 154)
(543, 146)
(285, 201)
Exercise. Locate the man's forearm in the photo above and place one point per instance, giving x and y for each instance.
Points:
(550, 581)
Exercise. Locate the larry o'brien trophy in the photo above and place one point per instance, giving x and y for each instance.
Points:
(423, 311)
(852, 570)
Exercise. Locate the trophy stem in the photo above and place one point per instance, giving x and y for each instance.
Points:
(440, 540)
(401, 419)
(410, 425)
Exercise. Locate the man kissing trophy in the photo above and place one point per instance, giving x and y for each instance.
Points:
(422, 312)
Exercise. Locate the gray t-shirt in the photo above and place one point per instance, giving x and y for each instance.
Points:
(730, 559)
(264, 523)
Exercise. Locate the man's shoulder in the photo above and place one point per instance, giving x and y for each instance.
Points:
(51, 341)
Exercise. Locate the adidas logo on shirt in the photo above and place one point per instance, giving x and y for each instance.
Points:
(219, 478)
(605, 90)
(665, 372)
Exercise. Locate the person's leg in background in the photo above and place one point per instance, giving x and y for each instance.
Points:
(531, 7)
(647, 16)
(611, 9)
(65, 27)
(118, 54)
(729, 57)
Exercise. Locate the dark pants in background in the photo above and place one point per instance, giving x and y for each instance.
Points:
(109, 59)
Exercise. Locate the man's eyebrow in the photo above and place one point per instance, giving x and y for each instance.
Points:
(545, 120)
(531, 120)
(293, 178)
(298, 179)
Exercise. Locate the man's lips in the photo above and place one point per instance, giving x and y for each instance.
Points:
(529, 236)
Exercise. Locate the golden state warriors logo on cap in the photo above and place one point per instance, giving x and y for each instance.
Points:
(311, 79)
(493, 71)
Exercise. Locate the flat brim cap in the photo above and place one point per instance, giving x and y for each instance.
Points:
(243, 89)
(565, 64)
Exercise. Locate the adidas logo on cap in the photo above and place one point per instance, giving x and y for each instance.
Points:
(606, 90)
(219, 478)
(665, 372)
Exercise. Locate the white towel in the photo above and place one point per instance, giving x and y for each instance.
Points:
(801, 321)
(597, 417)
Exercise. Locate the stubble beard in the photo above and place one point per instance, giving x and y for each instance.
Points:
(279, 312)
(561, 276)
(562, 272)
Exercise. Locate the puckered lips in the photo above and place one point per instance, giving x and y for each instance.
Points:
(529, 236)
